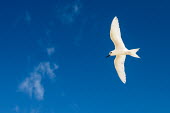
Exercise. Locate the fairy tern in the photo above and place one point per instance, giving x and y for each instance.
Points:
(120, 50)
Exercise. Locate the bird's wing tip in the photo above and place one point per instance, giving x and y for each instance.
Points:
(124, 82)
(114, 21)
(115, 18)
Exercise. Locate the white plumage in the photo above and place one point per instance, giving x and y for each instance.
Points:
(120, 50)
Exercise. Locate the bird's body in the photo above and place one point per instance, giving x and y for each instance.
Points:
(123, 52)
(120, 50)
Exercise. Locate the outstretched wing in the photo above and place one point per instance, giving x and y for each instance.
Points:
(115, 34)
(119, 65)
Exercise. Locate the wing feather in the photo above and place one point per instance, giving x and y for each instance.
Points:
(119, 65)
(115, 34)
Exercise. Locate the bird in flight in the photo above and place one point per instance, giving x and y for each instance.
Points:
(120, 50)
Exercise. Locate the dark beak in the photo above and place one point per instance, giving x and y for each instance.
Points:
(107, 56)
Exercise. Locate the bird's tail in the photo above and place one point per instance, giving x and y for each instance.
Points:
(133, 52)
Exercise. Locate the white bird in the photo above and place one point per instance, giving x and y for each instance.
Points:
(120, 50)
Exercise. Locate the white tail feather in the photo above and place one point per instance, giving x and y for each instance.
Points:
(133, 52)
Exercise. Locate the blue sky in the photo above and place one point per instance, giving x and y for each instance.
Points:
(53, 56)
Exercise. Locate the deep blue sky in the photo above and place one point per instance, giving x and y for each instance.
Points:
(76, 33)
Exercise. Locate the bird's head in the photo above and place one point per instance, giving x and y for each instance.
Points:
(111, 53)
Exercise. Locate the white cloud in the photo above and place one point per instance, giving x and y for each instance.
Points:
(32, 85)
(67, 13)
(45, 68)
(50, 51)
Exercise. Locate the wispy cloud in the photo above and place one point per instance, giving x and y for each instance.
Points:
(75, 107)
(32, 85)
(45, 68)
(23, 18)
(50, 51)
(16, 109)
(67, 13)
(35, 111)
(27, 17)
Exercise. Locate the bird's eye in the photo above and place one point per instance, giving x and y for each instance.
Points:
(110, 52)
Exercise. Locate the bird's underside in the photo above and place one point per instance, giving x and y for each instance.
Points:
(119, 65)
